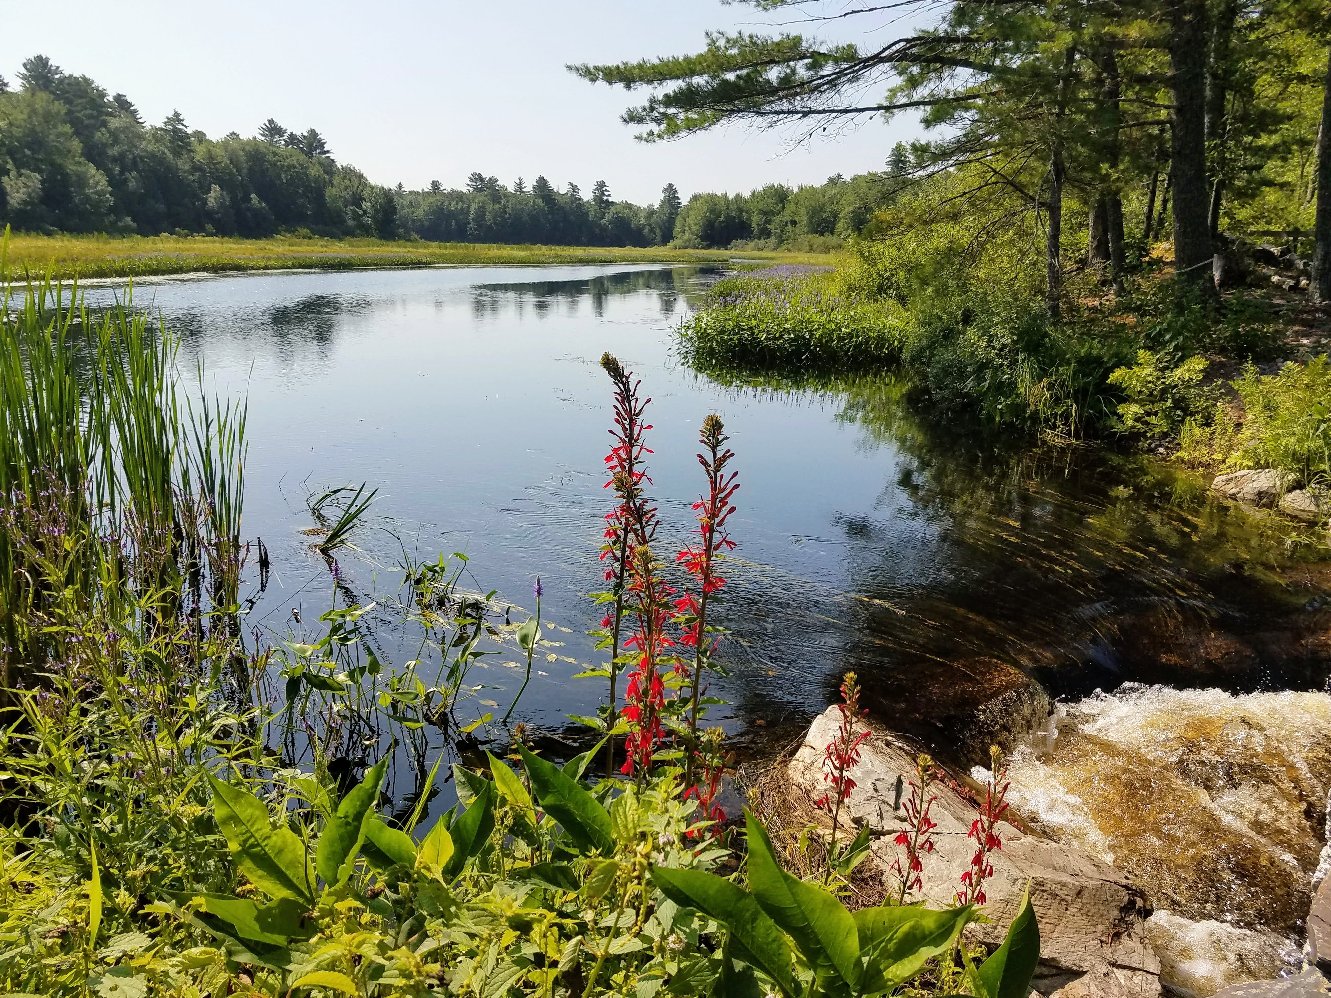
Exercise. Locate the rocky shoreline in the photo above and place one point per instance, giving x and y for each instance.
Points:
(1099, 936)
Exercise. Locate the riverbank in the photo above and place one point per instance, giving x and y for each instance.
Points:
(64, 257)
(1235, 384)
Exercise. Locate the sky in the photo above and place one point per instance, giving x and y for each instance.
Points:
(412, 91)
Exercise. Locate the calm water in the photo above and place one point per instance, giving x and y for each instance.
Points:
(929, 562)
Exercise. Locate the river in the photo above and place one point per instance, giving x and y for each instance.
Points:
(947, 568)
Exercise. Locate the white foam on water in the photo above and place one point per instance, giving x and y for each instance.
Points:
(1198, 958)
(1214, 803)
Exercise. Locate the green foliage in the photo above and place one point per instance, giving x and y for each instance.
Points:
(161, 836)
(1158, 398)
(1285, 423)
(780, 322)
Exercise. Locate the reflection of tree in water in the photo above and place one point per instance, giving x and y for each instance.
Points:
(314, 317)
(985, 560)
(673, 284)
(1039, 558)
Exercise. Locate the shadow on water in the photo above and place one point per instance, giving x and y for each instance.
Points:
(944, 566)
(991, 571)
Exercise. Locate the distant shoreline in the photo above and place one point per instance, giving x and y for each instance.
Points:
(67, 257)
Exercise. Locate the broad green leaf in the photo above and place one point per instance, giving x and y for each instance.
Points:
(600, 878)
(94, 897)
(583, 818)
(1008, 971)
(468, 783)
(510, 787)
(897, 941)
(471, 831)
(329, 979)
(576, 767)
(820, 925)
(387, 847)
(278, 922)
(763, 944)
(436, 850)
(560, 876)
(424, 798)
(335, 856)
(528, 634)
(273, 859)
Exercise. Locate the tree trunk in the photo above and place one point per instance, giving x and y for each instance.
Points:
(1150, 209)
(1321, 275)
(1097, 248)
(1164, 203)
(1116, 237)
(1192, 230)
(1054, 236)
(1218, 76)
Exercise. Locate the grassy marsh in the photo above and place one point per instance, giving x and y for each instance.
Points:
(98, 256)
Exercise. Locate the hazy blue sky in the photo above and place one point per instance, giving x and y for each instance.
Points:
(415, 91)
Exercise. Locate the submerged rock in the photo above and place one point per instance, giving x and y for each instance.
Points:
(1262, 487)
(1202, 957)
(1309, 505)
(1090, 915)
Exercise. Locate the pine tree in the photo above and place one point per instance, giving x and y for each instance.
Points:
(272, 133)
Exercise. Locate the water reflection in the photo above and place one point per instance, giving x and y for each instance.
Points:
(943, 566)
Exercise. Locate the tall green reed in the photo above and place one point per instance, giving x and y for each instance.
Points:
(107, 473)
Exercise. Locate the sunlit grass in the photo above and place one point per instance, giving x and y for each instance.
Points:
(93, 256)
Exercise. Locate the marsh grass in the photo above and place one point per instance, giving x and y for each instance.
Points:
(101, 256)
(111, 484)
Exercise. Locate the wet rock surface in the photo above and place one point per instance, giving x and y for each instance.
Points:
(1309, 983)
(1263, 487)
(1090, 915)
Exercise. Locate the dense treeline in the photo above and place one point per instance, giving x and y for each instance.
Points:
(1094, 127)
(75, 158)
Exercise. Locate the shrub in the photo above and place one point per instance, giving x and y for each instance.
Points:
(1159, 398)
(1287, 420)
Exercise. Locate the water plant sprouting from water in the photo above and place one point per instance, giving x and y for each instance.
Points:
(111, 483)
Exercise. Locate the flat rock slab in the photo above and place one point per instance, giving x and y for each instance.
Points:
(1307, 984)
(1319, 926)
(1090, 916)
(1263, 487)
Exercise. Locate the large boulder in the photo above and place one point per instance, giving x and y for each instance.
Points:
(1262, 487)
(1090, 916)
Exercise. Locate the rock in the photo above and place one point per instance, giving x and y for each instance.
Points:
(1305, 985)
(965, 705)
(1319, 927)
(1202, 957)
(1311, 505)
(1262, 487)
(1090, 916)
